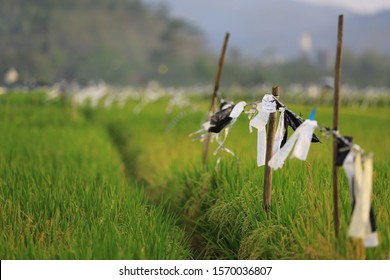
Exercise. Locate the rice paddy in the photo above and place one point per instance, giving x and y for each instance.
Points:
(127, 182)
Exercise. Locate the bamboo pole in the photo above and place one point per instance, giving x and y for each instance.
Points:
(270, 143)
(336, 214)
(215, 95)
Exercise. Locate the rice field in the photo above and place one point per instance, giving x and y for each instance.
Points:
(126, 181)
(64, 193)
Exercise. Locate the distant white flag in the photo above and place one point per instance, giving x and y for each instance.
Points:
(11, 76)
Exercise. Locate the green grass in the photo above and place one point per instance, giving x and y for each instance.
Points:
(223, 209)
(64, 193)
(92, 206)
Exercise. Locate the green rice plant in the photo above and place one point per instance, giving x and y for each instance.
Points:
(219, 207)
(222, 207)
(64, 193)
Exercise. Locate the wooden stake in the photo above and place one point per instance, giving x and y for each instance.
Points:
(336, 124)
(270, 144)
(215, 95)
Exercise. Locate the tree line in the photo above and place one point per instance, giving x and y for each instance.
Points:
(128, 42)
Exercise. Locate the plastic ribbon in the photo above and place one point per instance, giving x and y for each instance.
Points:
(234, 114)
(294, 121)
(301, 138)
(237, 110)
(280, 131)
(222, 120)
(268, 103)
(359, 175)
(267, 106)
(202, 132)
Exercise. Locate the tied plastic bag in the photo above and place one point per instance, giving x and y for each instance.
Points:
(279, 135)
(267, 106)
(359, 173)
(301, 139)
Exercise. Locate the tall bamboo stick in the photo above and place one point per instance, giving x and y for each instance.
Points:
(215, 94)
(268, 155)
(337, 80)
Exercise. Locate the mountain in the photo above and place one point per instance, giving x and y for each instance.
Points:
(262, 28)
(369, 32)
(119, 41)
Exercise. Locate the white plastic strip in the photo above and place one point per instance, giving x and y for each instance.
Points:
(301, 138)
(259, 122)
(279, 132)
(237, 109)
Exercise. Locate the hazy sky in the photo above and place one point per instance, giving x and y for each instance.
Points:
(360, 6)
